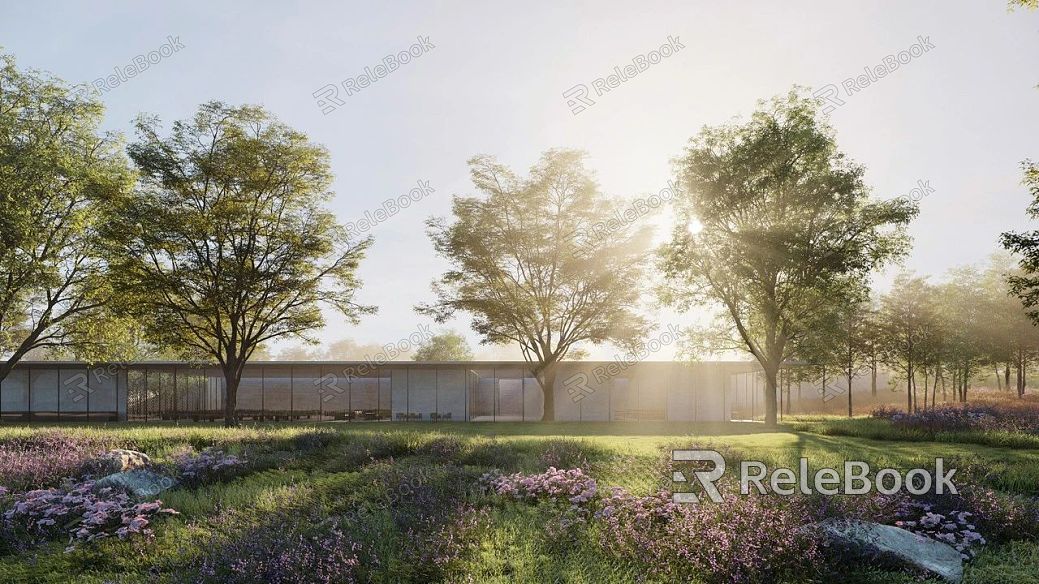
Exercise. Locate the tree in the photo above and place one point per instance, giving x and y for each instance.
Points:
(783, 223)
(1026, 246)
(446, 346)
(532, 267)
(908, 323)
(852, 346)
(1012, 338)
(58, 176)
(225, 244)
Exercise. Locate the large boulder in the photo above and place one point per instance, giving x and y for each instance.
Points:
(120, 460)
(143, 483)
(888, 542)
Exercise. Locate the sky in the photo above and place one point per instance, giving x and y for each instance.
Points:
(956, 117)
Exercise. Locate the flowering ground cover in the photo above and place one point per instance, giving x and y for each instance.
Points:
(512, 502)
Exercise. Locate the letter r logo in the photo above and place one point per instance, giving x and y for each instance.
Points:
(706, 478)
(577, 98)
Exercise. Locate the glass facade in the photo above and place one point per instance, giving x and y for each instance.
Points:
(404, 391)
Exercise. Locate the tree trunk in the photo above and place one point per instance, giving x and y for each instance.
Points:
(1006, 376)
(231, 381)
(547, 380)
(1020, 374)
(771, 373)
(909, 388)
(927, 380)
(849, 396)
(873, 381)
(1024, 376)
(934, 390)
(999, 384)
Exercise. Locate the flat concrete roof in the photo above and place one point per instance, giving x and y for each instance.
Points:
(369, 363)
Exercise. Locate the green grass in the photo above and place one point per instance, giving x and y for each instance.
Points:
(355, 465)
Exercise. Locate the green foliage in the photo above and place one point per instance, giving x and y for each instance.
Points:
(1026, 246)
(225, 244)
(786, 228)
(59, 178)
(531, 263)
(446, 346)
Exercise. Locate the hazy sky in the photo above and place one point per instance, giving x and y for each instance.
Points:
(961, 115)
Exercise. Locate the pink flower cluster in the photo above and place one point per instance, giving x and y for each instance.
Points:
(572, 485)
(741, 539)
(954, 528)
(207, 465)
(83, 512)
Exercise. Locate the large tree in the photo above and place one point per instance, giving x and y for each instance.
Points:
(226, 244)
(541, 261)
(783, 221)
(59, 175)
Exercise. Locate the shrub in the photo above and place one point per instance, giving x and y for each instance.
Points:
(571, 485)
(279, 553)
(207, 466)
(444, 449)
(564, 454)
(741, 539)
(1008, 416)
(45, 459)
(82, 512)
(954, 528)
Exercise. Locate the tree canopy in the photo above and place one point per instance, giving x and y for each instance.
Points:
(445, 346)
(225, 244)
(531, 265)
(59, 178)
(784, 226)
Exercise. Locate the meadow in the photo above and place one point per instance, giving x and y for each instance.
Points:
(494, 502)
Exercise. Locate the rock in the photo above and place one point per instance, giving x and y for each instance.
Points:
(907, 547)
(143, 483)
(119, 460)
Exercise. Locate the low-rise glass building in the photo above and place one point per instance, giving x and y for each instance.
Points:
(393, 390)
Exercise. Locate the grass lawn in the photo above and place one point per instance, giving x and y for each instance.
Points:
(408, 494)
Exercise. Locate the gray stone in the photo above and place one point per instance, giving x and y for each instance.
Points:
(921, 552)
(143, 483)
(120, 459)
